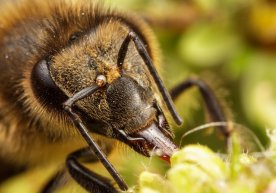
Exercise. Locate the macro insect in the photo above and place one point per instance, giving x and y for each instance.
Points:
(74, 76)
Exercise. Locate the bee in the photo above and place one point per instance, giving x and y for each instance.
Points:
(75, 77)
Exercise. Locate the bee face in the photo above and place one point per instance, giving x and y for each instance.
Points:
(125, 103)
(127, 93)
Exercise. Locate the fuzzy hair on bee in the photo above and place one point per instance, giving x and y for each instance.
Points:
(70, 69)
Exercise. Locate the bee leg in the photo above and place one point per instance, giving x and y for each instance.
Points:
(89, 180)
(211, 102)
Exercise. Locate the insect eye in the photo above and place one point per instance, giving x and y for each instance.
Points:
(74, 37)
(44, 87)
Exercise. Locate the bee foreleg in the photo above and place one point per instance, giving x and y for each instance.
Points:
(211, 102)
(89, 180)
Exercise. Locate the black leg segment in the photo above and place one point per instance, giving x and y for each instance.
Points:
(89, 180)
(79, 173)
(211, 102)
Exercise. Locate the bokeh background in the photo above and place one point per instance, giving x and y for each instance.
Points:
(231, 44)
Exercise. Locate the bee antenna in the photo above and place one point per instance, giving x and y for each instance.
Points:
(146, 58)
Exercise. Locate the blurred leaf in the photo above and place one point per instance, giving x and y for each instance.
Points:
(208, 44)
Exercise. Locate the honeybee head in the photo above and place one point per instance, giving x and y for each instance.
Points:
(124, 106)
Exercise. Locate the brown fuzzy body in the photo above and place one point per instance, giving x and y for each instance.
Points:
(32, 131)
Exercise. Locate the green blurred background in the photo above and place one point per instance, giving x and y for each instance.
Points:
(231, 44)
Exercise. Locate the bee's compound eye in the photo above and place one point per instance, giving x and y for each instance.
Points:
(44, 87)
(101, 80)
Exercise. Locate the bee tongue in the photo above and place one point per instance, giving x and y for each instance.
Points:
(156, 142)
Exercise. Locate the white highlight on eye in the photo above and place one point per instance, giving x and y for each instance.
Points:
(101, 80)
